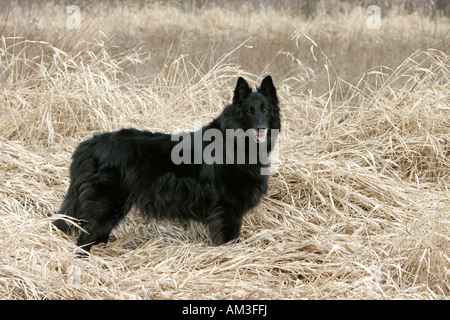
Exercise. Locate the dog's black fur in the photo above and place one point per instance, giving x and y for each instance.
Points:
(113, 171)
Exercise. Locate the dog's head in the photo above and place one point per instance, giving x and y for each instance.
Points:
(258, 110)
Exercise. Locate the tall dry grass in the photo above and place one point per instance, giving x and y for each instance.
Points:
(359, 207)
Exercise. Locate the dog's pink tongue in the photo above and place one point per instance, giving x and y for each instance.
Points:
(261, 137)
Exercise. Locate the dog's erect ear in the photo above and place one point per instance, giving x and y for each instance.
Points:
(268, 89)
(241, 91)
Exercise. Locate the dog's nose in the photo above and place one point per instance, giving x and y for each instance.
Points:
(261, 127)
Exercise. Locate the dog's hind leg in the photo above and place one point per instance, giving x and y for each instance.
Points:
(97, 228)
(102, 211)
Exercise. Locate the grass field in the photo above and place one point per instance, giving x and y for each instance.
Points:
(359, 207)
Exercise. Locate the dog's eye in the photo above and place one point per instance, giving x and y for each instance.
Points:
(251, 110)
(264, 109)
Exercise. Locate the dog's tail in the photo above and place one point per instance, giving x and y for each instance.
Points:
(81, 169)
(68, 208)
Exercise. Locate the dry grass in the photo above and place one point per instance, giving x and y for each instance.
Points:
(359, 207)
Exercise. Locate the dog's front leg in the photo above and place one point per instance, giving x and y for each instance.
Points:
(225, 225)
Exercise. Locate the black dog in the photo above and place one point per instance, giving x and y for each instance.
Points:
(113, 171)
